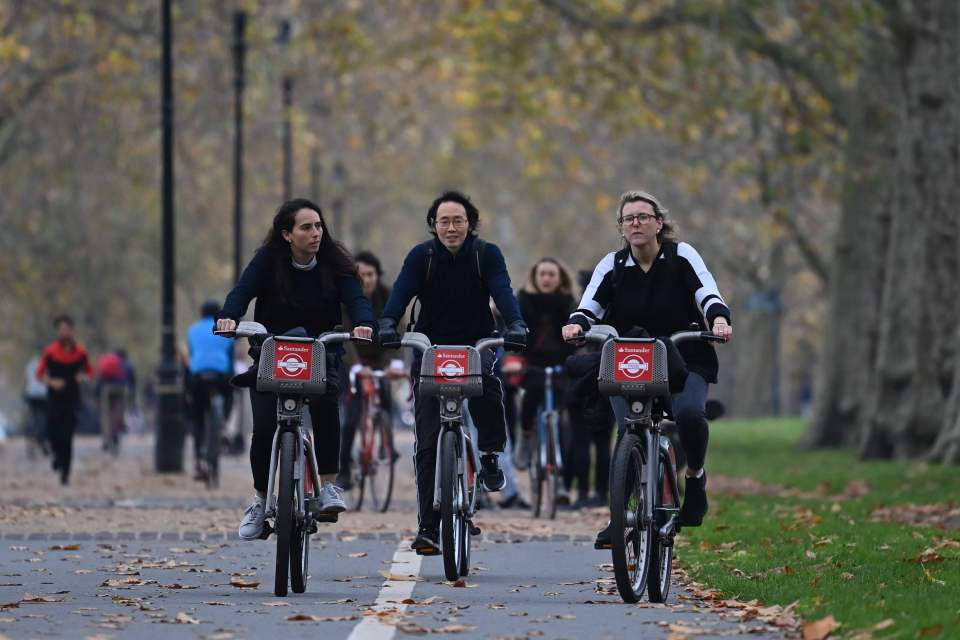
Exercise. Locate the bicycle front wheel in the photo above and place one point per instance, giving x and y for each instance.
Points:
(451, 519)
(380, 471)
(536, 469)
(629, 533)
(299, 552)
(661, 556)
(284, 523)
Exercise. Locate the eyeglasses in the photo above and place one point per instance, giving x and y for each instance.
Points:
(446, 223)
(642, 218)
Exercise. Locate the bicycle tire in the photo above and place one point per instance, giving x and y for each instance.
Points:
(283, 525)
(536, 469)
(382, 463)
(299, 551)
(630, 541)
(450, 521)
(359, 469)
(552, 471)
(661, 555)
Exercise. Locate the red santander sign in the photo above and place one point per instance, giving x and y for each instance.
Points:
(292, 361)
(451, 365)
(633, 363)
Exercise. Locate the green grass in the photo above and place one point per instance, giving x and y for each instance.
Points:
(824, 552)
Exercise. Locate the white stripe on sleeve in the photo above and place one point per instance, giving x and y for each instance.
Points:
(708, 286)
(588, 302)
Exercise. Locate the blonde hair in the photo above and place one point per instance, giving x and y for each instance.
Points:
(669, 229)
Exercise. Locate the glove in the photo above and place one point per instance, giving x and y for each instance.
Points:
(516, 335)
(389, 338)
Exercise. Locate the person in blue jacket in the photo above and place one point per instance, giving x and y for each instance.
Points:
(454, 275)
(300, 277)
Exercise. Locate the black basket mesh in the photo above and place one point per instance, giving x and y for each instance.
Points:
(467, 384)
(270, 382)
(642, 368)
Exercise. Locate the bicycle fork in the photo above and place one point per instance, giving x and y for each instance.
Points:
(289, 419)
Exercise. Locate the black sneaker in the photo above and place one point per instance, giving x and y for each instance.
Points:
(515, 501)
(491, 476)
(603, 539)
(425, 544)
(694, 502)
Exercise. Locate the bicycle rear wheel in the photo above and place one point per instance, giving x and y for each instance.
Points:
(451, 519)
(629, 535)
(661, 555)
(284, 523)
(380, 471)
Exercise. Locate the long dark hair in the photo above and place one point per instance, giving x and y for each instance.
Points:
(333, 259)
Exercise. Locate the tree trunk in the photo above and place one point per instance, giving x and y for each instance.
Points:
(846, 359)
(919, 305)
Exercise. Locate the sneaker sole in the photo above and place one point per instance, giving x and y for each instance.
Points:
(256, 537)
(334, 508)
(492, 489)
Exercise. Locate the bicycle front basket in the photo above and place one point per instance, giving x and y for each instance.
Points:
(633, 368)
(292, 365)
(451, 371)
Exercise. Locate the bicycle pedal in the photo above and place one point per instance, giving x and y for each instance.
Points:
(428, 552)
(473, 529)
(312, 529)
(602, 546)
(267, 531)
(326, 516)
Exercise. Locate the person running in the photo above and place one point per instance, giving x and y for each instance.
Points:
(454, 275)
(210, 359)
(300, 277)
(662, 285)
(64, 366)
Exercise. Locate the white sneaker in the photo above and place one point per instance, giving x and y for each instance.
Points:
(331, 499)
(251, 527)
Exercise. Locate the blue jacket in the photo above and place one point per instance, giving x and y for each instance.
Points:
(207, 351)
(454, 305)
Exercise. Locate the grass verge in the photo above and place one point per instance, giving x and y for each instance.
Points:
(814, 541)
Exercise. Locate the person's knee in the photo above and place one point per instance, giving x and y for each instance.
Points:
(691, 418)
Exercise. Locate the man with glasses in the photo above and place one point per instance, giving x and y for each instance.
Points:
(454, 275)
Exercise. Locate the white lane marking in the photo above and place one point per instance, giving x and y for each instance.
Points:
(392, 593)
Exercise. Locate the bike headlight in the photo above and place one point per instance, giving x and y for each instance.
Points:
(636, 407)
(451, 406)
(289, 404)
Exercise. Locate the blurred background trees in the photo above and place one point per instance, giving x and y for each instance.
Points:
(808, 150)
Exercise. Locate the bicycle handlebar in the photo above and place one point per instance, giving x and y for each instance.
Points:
(421, 343)
(603, 332)
(248, 329)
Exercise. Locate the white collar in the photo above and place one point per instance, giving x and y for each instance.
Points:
(304, 267)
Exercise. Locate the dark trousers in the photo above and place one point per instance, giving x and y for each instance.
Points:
(487, 412)
(689, 412)
(325, 416)
(204, 386)
(578, 463)
(353, 411)
(61, 423)
(37, 421)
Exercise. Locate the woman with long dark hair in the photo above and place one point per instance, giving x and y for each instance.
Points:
(300, 277)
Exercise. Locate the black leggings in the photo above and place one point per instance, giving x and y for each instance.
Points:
(325, 416)
(577, 463)
(61, 423)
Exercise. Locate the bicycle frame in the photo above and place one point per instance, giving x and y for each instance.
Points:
(550, 420)
(640, 420)
(290, 418)
(453, 420)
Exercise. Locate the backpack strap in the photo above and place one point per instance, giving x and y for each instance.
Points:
(619, 269)
(417, 307)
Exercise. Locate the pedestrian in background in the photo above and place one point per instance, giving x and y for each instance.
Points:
(35, 417)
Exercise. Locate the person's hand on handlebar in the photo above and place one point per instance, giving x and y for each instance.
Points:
(722, 329)
(572, 331)
(388, 333)
(362, 332)
(225, 324)
(516, 335)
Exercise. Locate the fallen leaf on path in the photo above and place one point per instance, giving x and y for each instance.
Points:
(218, 604)
(411, 628)
(452, 628)
(395, 578)
(177, 585)
(65, 547)
(29, 597)
(460, 583)
(240, 583)
(819, 629)
(276, 603)
(306, 617)
(185, 618)
(358, 554)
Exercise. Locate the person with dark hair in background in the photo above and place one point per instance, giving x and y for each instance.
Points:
(361, 358)
(454, 275)
(300, 276)
(64, 365)
(210, 361)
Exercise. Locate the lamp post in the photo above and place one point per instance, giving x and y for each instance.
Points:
(283, 38)
(239, 50)
(338, 177)
(168, 451)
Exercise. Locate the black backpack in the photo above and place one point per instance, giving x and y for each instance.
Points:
(479, 246)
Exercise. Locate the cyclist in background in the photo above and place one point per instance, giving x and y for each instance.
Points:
(363, 358)
(210, 361)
